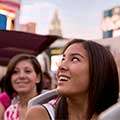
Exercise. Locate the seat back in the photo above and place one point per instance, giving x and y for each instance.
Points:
(112, 113)
(43, 98)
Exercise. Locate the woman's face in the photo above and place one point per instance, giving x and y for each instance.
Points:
(73, 73)
(24, 77)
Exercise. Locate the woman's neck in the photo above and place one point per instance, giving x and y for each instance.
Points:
(24, 98)
(23, 102)
(77, 108)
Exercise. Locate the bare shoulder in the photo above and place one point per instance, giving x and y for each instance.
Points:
(37, 112)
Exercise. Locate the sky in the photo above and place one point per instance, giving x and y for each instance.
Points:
(79, 18)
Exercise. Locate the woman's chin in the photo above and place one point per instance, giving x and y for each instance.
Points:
(62, 91)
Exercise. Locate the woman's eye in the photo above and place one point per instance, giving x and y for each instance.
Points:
(28, 71)
(75, 59)
(15, 72)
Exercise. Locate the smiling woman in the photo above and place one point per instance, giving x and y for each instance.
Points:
(88, 84)
(23, 79)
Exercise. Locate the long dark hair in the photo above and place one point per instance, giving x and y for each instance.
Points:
(104, 83)
(8, 86)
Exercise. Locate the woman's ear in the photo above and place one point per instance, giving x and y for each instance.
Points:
(38, 78)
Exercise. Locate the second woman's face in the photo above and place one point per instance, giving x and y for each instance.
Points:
(24, 77)
(73, 73)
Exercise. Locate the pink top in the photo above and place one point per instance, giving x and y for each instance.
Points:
(4, 99)
(12, 112)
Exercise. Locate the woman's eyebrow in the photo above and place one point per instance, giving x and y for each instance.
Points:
(78, 54)
(75, 54)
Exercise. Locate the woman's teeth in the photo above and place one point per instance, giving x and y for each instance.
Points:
(63, 78)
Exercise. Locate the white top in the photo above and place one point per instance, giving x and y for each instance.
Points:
(50, 109)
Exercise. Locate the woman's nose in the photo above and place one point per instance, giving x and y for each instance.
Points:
(63, 66)
(21, 74)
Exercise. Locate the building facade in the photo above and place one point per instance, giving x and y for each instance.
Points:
(111, 22)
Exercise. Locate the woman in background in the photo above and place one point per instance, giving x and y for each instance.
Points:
(24, 79)
(47, 81)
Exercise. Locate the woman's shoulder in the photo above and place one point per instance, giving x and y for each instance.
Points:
(37, 108)
(39, 113)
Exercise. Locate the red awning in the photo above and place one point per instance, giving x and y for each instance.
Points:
(15, 42)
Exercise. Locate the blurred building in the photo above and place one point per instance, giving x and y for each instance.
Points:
(55, 26)
(9, 14)
(111, 22)
(28, 27)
